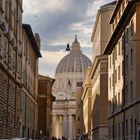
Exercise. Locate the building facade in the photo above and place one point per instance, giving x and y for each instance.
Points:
(69, 74)
(10, 67)
(29, 83)
(86, 99)
(45, 100)
(123, 49)
(79, 112)
(99, 73)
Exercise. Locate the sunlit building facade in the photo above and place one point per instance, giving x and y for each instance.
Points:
(123, 49)
(86, 100)
(99, 73)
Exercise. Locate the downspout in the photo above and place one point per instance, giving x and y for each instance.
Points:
(124, 101)
(113, 98)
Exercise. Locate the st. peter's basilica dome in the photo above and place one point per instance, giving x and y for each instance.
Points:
(75, 61)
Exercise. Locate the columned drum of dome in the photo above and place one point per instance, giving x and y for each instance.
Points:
(69, 72)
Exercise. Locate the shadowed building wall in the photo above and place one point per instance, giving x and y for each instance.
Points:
(29, 84)
(10, 67)
(45, 99)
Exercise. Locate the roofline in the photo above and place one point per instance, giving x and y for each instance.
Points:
(118, 30)
(109, 4)
(103, 8)
(45, 77)
(31, 37)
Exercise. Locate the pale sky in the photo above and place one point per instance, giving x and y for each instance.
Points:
(57, 22)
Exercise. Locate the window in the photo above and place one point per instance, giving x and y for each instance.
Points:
(132, 28)
(109, 103)
(118, 72)
(113, 27)
(138, 134)
(115, 53)
(119, 13)
(1, 5)
(135, 129)
(123, 130)
(109, 133)
(113, 58)
(126, 94)
(119, 130)
(123, 6)
(115, 132)
(6, 50)
(110, 82)
(79, 84)
(78, 118)
(110, 60)
(126, 63)
(131, 90)
(6, 9)
(131, 126)
(10, 56)
(126, 36)
(112, 79)
(78, 130)
(115, 101)
(115, 76)
(112, 131)
(131, 57)
(119, 49)
(119, 98)
(126, 127)
(122, 67)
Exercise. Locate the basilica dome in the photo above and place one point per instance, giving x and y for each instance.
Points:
(70, 72)
(75, 61)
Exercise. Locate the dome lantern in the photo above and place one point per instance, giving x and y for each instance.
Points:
(76, 45)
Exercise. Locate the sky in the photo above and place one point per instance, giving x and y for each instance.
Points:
(57, 22)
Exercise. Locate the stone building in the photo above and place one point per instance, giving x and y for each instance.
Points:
(86, 99)
(99, 73)
(79, 112)
(45, 100)
(69, 74)
(10, 67)
(123, 49)
(29, 83)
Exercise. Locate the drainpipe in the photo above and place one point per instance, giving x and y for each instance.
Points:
(124, 101)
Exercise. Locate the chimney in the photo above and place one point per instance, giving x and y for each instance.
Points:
(37, 38)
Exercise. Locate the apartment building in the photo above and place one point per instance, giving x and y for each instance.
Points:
(10, 67)
(29, 83)
(123, 49)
